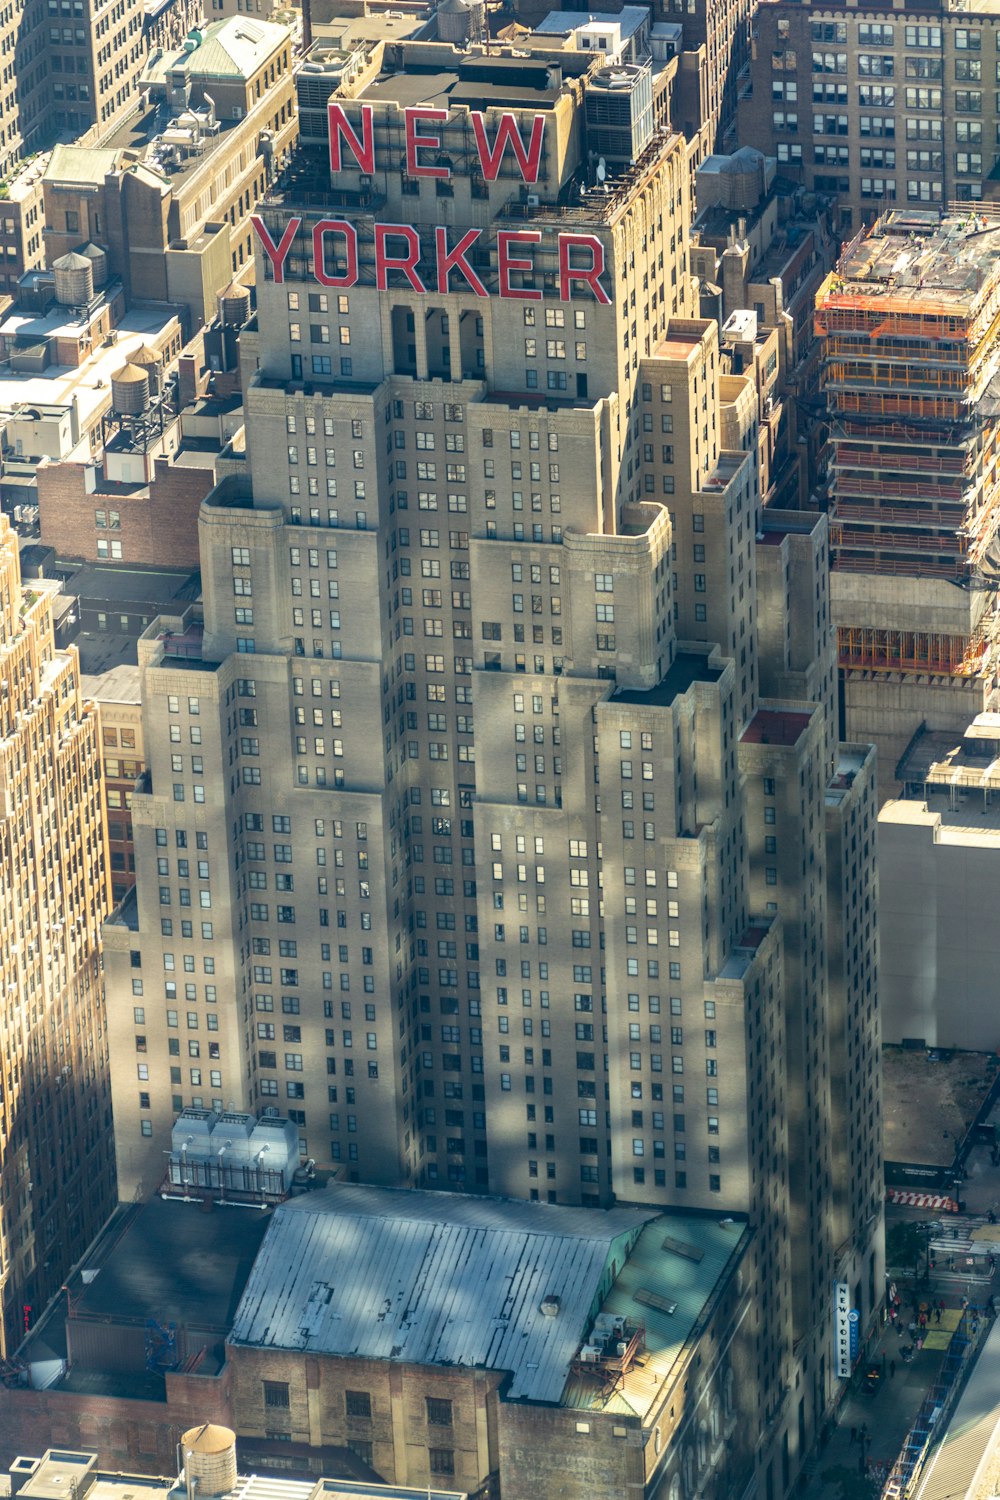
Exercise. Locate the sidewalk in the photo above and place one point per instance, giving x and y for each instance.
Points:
(835, 1471)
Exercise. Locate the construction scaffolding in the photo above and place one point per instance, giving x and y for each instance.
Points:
(909, 325)
(863, 648)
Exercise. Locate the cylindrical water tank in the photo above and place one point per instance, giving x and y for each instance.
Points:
(454, 21)
(98, 260)
(210, 1458)
(74, 277)
(234, 305)
(130, 391)
(147, 359)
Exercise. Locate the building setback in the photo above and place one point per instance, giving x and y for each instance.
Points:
(57, 1174)
(487, 800)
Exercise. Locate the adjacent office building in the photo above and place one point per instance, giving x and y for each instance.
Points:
(494, 827)
(74, 66)
(57, 1181)
(876, 109)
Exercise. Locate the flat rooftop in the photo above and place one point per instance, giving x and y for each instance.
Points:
(915, 257)
(744, 950)
(688, 668)
(90, 384)
(138, 133)
(57, 1469)
(119, 684)
(176, 1263)
(775, 525)
(446, 77)
(93, 584)
(776, 726)
(929, 1106)
(850, 761)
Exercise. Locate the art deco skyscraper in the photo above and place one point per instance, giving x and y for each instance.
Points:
(57, 1179)
(487, 816)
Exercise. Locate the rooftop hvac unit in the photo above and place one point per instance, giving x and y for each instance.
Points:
(590, 1354)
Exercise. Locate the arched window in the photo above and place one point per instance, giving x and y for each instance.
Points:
(715, 1421)
(675, 1487)
(702, 1445)
(688, 1473)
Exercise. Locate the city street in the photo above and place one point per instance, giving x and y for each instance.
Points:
(887, 1414)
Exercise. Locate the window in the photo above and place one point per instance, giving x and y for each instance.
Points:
(438, 1412)
(442, 1460)
(276, 1394)
(358, 1404)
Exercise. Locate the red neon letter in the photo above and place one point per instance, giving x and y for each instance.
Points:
(277, 254)
(406, 263)
(509, 130)
(505, 264)
(415, 142)
(363, 151)
(335, 226)
(590, 274)
(454, 260)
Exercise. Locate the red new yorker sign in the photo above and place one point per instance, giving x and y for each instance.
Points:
(397, 246)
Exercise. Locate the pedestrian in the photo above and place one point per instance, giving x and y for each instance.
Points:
(892, 1368)
(937, 1314)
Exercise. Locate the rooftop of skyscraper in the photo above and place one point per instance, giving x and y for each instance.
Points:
(918, 257)
(688, 667)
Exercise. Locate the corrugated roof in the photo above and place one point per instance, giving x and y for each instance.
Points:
(432, 1278)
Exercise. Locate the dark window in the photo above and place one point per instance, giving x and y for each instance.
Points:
(276, 1393)
(358, 1404)
(442, 1460)
(438, 1413)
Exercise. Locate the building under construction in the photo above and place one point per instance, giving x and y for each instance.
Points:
(909, 324)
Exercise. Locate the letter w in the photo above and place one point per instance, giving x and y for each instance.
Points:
(509, 130)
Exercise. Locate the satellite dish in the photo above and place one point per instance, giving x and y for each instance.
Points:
(602, 170)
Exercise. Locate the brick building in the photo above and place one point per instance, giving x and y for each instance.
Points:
(148, 523)
(420, 1338)
(873, 108)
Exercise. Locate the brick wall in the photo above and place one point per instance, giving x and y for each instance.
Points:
(399, 1428)
(159, 522)
(136, 1437)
